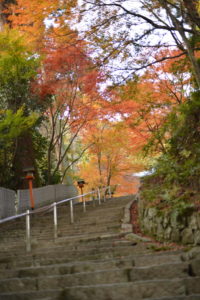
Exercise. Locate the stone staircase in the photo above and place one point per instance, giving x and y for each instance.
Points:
(91, 259)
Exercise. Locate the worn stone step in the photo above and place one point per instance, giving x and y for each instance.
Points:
(159, 271)
(76, 254)
(61, 281)
(65, 243)
(98, 234)
(63, 226)
(129, 291)
(70, 251)
(59, 277)
(139, 290)
(67, 268)
(121, 291)
(32, 295)
(190, 297)
(37, 225)
(140, 260)
(90, 256)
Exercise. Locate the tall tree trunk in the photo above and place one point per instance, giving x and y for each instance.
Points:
(24, 159)
(192, 10)
(179, 27)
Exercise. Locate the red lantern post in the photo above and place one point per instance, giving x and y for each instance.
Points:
(29, 177)
(81, 184)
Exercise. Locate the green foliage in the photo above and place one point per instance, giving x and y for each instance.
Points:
(21, 109)
(176, 181)
(18, 67)
(157, 248)
(11, 126)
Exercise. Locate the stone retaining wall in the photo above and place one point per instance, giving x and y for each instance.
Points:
(170, 226)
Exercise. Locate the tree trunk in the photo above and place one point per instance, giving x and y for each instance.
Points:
(192, 11)
(24, 158)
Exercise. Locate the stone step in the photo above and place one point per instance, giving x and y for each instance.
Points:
(37, 223)
(65, 243)
(137, 290)
(32, 295)
(75, 235)
(139, 260)
(76, 254)
(61, 281)
(90, 260)
(159, 271)
(26, 260)
(66, 268)
(96, 278)
(70, 251)
(190, 297)
(103, 209)
(121, 291)
(93, 273)
(80, 249)
(63, 224)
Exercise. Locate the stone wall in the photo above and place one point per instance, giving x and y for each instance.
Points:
(170, 226)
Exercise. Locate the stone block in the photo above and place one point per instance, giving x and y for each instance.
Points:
(166, 221)
(167, 233)
(145, 223)
(187, 236)
(146, 211)
(177, 221)
(197, 237)
(173, 219)
(195, 267)
(126, 227)
(160, 232)
(175, 235)
(198, 219)
(152, 212)
(192, 222)
(194, 253)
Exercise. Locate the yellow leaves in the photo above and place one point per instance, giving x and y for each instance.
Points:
(32, 17)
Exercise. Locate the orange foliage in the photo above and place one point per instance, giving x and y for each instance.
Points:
(109, 157)
(31, 17)
(143, 105)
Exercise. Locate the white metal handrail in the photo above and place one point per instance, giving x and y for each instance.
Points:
(54, 207)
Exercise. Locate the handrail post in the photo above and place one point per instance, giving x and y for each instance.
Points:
(99, 196)
(109, 191)
(71, 212)
(104, 194)
(55, 220)
(28, 231)
(84, 206)
(93, 197)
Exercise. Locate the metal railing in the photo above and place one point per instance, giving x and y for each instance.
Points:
(100, 194)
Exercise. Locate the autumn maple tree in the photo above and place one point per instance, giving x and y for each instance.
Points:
(68, 79)
(150, 91)
(65, 82)
(133, 32)
(109, 159)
